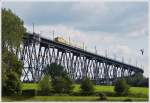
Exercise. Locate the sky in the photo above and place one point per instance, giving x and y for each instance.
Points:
(118, 29)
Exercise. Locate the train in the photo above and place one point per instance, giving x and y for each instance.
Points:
(57, 39)
(61, 40)
(71, 43)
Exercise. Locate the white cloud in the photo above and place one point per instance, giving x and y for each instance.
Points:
(90, 8)
(107, 25)
(101, 40)
(122, 50)
(89, 38)
(139, 32)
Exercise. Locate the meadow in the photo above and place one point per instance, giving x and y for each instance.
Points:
(68, 98)
(98, 88)
(136, 94)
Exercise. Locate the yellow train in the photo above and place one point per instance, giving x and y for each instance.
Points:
(60, 40)
(71, 43)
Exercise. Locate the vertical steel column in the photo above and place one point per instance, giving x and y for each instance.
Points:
(96, 70)
(72, 67)
(83, 67)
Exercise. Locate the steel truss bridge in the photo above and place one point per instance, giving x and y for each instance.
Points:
(37, 52)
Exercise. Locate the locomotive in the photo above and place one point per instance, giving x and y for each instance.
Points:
(71, 43)
(61, 40)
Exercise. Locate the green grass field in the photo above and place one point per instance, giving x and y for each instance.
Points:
(67, 98)
(138, 94)
(29, 86)
(98, 88)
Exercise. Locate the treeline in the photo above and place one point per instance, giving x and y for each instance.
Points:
(138, 80)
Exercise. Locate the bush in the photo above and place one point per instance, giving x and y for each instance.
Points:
(29, 92)
(75, 94)
(102, 97)
(87, 87)
(127, 100)
(12, 85)
(60, 94)
(108, 93)
(55, 70)
(121, 87)
(137, 80)
(62, 85)
(45, 86)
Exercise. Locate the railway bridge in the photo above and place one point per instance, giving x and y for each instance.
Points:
(37, 52)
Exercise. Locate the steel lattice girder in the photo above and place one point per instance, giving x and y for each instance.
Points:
(37, 53)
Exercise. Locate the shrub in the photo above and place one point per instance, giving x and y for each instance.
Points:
(60, 94)
(137, 80)
(87, 87)
(108, 93)
(55, 70)
(121, 87)
(45, 86)
(12, 85)
(29, 92)
(62, 85)
(127, 100)
(102, 97)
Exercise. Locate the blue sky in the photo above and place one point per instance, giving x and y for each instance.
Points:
(121, 28)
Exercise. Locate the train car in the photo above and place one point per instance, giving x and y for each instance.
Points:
(71, 43)
(60, 40)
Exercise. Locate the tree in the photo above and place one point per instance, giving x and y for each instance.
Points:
(12, 85)
(87, 87)
(55, 70)
(144, 82)
(12, 33)
(45, 85)
(137, 80)
(13, 29)
(16, 65)
(62, 85)
(121, 87)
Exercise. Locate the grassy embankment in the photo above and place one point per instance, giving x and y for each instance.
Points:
(143, 91)
(136, 94)
(68, 98)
